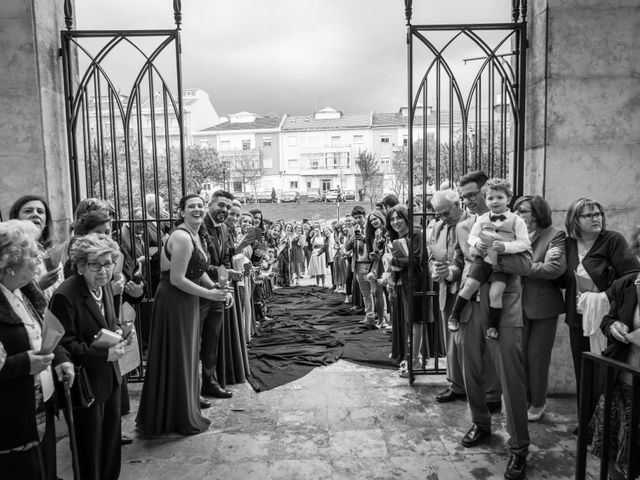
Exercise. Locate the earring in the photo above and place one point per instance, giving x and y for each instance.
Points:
(12, 273)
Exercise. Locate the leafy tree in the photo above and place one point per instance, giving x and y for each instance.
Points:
(246, 167)
(371, 175)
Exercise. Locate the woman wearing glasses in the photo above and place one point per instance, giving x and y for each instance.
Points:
(84, 305)
(595, 258)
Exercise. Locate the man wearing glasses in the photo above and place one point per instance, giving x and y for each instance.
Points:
(506, 352)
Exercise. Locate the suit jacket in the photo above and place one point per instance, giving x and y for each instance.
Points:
(541, 297)
(608, 259)
(511, 299)
(217, 245)
(82, 320)
(17, 391)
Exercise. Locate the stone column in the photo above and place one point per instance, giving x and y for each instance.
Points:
(33, 157)
(583, 118)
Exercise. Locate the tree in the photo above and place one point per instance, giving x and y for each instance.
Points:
(399, 173)
(246, 167)
(372, 178)
(202, 166)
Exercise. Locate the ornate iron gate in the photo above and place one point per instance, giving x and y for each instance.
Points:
(466, 112)
(125, 129)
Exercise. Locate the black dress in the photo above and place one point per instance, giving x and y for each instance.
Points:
(170, 394)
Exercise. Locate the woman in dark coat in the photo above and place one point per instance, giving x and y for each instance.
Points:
(84, 305)
(596, 255)
(27, 389)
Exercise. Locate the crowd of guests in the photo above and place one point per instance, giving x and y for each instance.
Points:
(501, 272)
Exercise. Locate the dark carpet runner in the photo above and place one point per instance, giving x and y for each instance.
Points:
(311, 327)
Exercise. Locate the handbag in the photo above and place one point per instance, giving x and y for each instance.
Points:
(81, 392)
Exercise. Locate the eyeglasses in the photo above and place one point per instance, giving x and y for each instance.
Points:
(470, 196)
(95, 267)
(591, 216)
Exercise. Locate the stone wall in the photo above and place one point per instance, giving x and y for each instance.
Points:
(33, 158)
(583, 118)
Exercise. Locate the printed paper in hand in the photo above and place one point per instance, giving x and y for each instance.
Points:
(52, 332)
(131, 358)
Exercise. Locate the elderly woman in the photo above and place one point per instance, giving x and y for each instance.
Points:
(35, 209)
(622, 320)
(27, 400)
(84, 305)
(542, 300)
(596, 256)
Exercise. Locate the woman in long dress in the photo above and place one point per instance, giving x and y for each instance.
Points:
(318, 261)
(170, 394)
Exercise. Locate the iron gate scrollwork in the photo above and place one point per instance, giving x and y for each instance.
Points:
(466, 99)
(125, 128)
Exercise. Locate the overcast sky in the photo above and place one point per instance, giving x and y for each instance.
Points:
(291, 56)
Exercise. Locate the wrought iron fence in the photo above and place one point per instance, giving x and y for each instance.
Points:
(598, 383)
(461, 119)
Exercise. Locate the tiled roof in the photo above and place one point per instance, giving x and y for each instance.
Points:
(258, 124)
(308, 122)
(398, 120)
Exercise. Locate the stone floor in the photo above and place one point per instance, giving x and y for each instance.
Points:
(344, 421)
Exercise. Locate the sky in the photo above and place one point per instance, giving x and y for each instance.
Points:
(292, 56)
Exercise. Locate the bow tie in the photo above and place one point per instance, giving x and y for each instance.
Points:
(495, 218)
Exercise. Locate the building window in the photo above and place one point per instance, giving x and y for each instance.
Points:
(308, 184)
(293, 185)
(292, 141)
(267, 163)
(358, 139)
(335, 141)
(266, 142)
(237, 186)
(246, 144)
(405, 141)
(326, 185)
(385, 138)
(385, 161)
(292, 164)
(225, 145)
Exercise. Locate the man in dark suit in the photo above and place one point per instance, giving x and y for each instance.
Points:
(212, 313)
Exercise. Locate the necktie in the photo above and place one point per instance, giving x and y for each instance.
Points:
(495, 218)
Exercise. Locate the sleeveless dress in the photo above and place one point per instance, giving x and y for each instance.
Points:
(170, 400)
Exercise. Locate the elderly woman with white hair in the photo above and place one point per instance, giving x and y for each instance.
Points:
(27, 390)
(84, 305)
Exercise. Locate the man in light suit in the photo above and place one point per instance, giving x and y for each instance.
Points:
(506, 351)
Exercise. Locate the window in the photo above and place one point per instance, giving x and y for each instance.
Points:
(225, 145)
(266, 142)
(308, 184)
(292, 141)
(405, 140)
(237, 186)
(385, 138)
(267, 163)
(293, 185)
(292, 164)
(385, 161)
(326, 185)
(358, 139)
(335, 141)
(246, 144)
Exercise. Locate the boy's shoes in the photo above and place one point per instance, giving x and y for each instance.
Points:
(492, 333)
